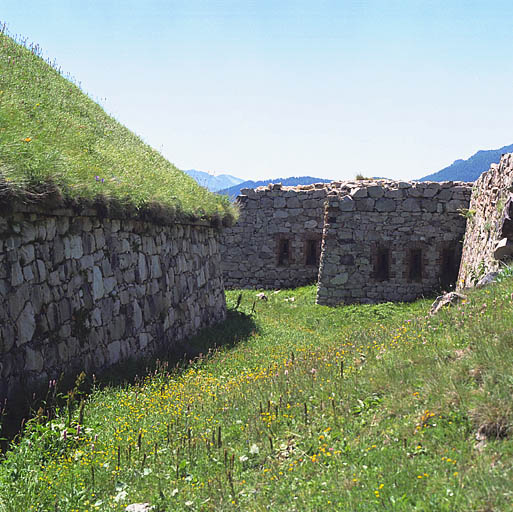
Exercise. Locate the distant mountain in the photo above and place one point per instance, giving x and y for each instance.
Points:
(213, 183)
(234, 191)
(471, 169)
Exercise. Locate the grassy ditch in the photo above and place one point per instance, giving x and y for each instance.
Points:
(56, 142)
(351, 408)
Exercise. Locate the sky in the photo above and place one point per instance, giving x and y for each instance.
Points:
(267, 89)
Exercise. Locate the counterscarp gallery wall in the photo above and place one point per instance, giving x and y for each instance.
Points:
(277, 240)
(81, 292)
(489, 236)
(391, 241)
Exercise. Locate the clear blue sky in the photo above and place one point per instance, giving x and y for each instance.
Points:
(278, 88)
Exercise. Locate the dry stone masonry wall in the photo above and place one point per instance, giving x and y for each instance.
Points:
(362, 241)
(489, 236)
(80, 292)
(391, 241)
(277, 240)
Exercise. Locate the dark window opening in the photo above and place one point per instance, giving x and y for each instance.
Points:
(313, 252)
(382, 265)
(284, 252)
(449, 268)
(415, 265)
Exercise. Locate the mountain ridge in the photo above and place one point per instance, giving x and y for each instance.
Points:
(213, 182)
(234, 191)
(471, 168)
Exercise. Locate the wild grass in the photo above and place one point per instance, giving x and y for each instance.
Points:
(53, 136)
(314, 408)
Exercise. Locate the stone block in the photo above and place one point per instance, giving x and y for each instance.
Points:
(346, 204)
(386, 205)
(293, 202)
(347, 259)
(25, 325)
(28, 274)
(41, 270)
(6, 339)
(62, 351)
(340, 279)
(62, 225)
(431, 191)
(109, 285)
(86, 262)
(365, 205)
(445, 194)
(393, 193)
(410, 205)
(99, 238)
(429, 205)
(50, 226)
(28, 232)
(114, 352)
(27, 254)
(88, 243)
(279, 202)
(16, 274)
(53, 279)
(98, 289)
(156, 270)
(33, 360)
(144, 339)
(96, 317)
(455, 205)
(17, 300)
(375, 191)
(106, 268)
(64, 308)
(58, 250)
(137, 317)
(357, 193)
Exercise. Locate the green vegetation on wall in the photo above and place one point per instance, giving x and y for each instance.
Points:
(55, 139)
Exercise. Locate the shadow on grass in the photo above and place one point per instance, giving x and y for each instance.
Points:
(236, 328)
(44, 404)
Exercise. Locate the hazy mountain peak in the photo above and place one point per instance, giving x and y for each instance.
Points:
(213, 182)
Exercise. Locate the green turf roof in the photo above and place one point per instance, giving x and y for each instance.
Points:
(54, 137)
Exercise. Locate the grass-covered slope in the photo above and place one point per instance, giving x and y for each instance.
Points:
(314, 408)
(52, 134)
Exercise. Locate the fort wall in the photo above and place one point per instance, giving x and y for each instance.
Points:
(82, 292)
(276, 243)
(391, 241)
(361, 241)
(489, 236)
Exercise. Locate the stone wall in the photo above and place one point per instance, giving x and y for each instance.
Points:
(391, 241)
(80, 292)
(489, 237)
(276, 241)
